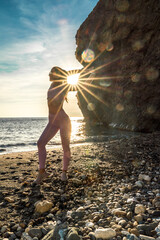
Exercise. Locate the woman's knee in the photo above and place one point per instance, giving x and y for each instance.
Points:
(40, 144)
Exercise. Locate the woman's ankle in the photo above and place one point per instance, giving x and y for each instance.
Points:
(42, 170)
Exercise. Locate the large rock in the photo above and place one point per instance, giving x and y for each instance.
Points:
(124, 40)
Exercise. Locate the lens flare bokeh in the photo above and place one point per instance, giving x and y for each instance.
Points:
(88, 55)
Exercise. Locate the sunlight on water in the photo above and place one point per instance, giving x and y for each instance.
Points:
(76, 128)
(88, 55)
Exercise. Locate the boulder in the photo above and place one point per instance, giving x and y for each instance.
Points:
(120, 39)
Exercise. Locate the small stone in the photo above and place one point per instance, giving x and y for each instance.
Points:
(89, 224)
(76, 181)
(78, 215)
(25, 236)
(92, 236)
(139, 209)
(44, 231)
(35, 232)
(105, 233)
(4, 229)
(73, 235)
(119, 213)
(146, 229)
(123, 223)
(9, 199)
(144, 237)
(131, 200)
(50, 216)
(22, 225)
(139, 184)
(129, 215)
(116, 227)
(138, 218)
(144, 177)
(134, 231)
(43, 206)
(12, 236)
(80, 209)
(35, 238)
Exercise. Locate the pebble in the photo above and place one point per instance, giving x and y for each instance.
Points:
(105, 233)
(9, 199)
(144, 237)
(123, 223)
(35, 232)
(144, 177)
(138, 218)
(4, 229)
(139, 209)
(135, 232)
(125, 211)
(139, 184)
(73, 235)
(89, 224)
(25, 236)
(118, 212)
(43, 206)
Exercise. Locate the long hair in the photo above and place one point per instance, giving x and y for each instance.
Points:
(60, 74)
(59, 77)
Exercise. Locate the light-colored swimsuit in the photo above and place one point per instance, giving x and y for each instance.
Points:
(58, 120)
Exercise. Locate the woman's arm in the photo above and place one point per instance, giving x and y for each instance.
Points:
(74, 71)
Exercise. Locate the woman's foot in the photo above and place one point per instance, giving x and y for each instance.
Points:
(64, 177)
(41, 176)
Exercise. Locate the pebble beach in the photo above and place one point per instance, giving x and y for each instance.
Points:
(112, 192)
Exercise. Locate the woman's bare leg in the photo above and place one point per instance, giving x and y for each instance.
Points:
(65, 133)
(48, 133)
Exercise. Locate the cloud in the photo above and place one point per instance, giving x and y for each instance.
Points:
(45, 36)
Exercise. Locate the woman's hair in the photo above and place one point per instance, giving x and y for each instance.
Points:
(59, 71)
(59, 76)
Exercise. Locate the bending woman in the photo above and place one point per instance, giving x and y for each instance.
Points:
(58, 120)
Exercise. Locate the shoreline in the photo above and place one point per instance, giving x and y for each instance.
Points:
(48, 148)
(103, 177)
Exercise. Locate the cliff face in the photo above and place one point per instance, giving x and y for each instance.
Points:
(121, 39)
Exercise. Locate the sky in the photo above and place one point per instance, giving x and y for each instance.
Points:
(35, 36)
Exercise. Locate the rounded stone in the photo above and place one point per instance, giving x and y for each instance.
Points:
(140, 208)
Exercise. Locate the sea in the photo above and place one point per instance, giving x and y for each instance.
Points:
(21, 134)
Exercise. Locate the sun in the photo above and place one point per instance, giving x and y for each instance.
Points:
(73, 79)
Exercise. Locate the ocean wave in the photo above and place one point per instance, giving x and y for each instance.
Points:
(17, 145)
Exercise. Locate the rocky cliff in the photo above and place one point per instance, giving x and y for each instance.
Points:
(121, 40)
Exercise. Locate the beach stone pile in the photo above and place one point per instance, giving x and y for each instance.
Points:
(113, 192)
(120, 39)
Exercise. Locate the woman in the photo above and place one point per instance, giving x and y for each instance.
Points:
(58, 120)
